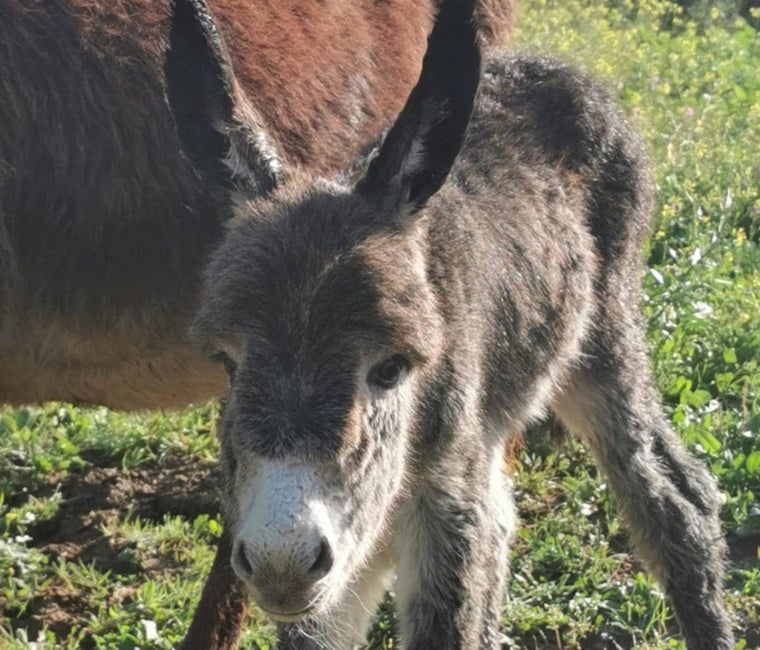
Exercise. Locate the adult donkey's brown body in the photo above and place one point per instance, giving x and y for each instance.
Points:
(105, 223)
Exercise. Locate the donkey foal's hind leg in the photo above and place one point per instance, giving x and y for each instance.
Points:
(670, 501)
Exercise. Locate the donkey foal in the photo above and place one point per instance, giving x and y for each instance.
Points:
(383, 337)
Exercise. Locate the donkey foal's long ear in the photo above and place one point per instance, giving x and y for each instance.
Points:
(217, 128)
(422, 145)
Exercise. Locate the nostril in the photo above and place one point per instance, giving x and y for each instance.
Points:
(324, 561)
(243, 561)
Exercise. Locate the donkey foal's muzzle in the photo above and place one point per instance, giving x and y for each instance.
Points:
(284, 547)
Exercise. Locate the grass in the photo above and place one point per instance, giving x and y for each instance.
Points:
(105, 536)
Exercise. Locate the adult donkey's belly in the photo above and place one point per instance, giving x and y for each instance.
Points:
(108, 370)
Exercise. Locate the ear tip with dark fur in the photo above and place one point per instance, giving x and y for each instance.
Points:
(422, 145)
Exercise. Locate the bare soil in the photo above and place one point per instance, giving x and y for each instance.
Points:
(92, 501)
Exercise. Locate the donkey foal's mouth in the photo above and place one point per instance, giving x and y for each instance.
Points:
(287, 617)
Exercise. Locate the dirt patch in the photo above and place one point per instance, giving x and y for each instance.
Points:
(91, 503)
(57, 608)
(93, 500)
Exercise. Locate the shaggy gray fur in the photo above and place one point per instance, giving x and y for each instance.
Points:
(395, 334)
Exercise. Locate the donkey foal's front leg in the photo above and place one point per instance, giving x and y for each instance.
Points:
(453, 563)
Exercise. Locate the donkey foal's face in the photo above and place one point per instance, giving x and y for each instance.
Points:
(326, 324)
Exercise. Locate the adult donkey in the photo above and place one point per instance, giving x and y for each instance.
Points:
(384, 337)
(111, 197)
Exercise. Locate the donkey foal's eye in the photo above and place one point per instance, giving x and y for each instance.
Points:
(387, 373)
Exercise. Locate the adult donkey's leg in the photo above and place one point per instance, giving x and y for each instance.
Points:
(219, 617)
(670, 501)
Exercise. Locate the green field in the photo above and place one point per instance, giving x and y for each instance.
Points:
(108, 520)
